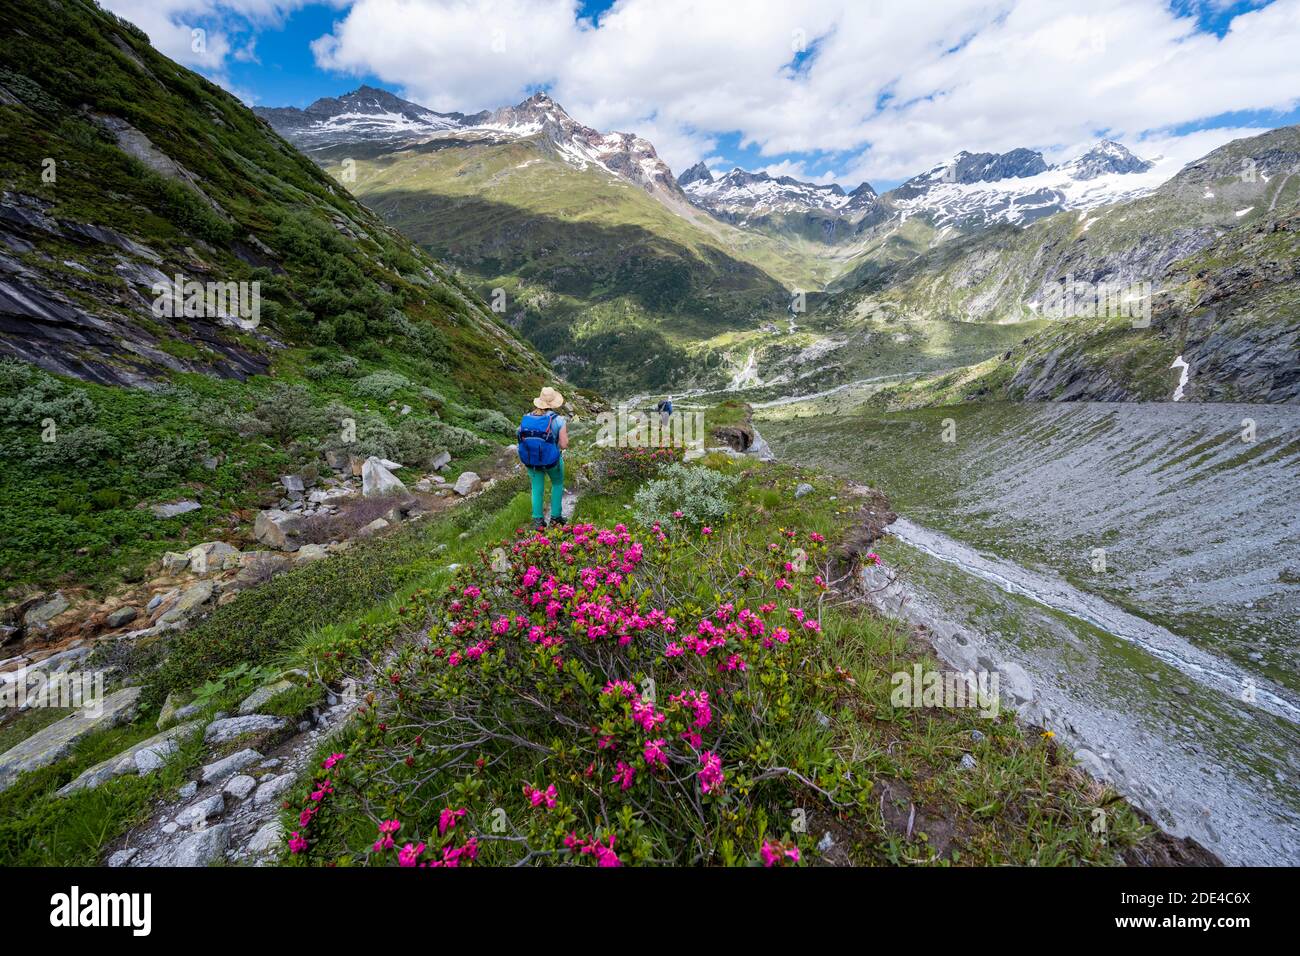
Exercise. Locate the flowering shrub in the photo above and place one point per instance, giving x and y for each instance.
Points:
(602, 697)
(634, 464)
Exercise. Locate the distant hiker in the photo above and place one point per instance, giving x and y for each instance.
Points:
(665, 410)
(543, 436)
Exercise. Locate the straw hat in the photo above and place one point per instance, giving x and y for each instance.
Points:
(549, 398)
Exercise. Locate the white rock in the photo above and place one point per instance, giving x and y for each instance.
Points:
(378, 481)
(267, 840)
(379, 524)
(122, 857)
(220, 731)
(240, 786)
(203, 811)
(467, 483)
(206, 846)
(271, 791)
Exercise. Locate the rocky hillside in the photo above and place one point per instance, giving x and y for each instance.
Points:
(1140, 258)
(601, 260)
(1230, 314)
(976, 190)
(783, 205)
(189, 308)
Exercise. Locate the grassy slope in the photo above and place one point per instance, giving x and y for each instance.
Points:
(594, 267)
(1021, 804)
(344, 296)
(1188, 227)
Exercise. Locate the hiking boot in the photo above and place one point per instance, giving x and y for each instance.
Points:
(540, 526)
(558, 520)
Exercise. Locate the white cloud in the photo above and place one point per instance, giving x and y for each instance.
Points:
(205, 34)
(889, 88)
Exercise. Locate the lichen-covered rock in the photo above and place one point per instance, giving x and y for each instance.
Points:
(55, 741)
(278, 529)
(264, 695)
(220, 731)
(143, 757)
(223, 768)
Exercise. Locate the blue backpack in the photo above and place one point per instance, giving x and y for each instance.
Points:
(539, 441)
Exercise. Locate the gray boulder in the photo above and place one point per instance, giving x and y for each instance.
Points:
(271, 790)
(54, 742)
(122, 616)
(379, 524)
(41, 614)
(266, 841)
(191, 599)
(205, 847)
(220, 731)
(467, 483)
(146, 756)
(173, 509)
(264, 695)
(377, 481)
(212, 556)
(278, 529)
(240, 786)
(223, 768)
(202, 812)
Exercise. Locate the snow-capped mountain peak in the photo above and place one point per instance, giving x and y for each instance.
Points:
(366, 115)
(980, 189)
(1106, 157)
(744, 193)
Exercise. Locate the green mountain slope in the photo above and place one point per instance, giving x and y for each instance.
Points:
(1222, 221)
(605, 279)
(119, 170)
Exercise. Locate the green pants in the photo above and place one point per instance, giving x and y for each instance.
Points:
(539, 476)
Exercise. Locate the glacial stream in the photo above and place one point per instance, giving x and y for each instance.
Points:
(1140, 562)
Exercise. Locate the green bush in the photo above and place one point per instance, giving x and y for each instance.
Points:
(492, 421)
(683, 494)
(381, 385)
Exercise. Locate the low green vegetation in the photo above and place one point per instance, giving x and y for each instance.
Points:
(574, 760)
(38, 828)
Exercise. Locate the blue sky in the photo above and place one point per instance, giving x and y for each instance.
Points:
(867, 89)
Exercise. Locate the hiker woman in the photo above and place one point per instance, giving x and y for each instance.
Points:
(543, 436)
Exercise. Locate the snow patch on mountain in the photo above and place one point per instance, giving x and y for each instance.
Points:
(977, 190)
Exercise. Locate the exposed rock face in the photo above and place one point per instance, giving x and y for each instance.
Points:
(55, 741)
(143, 757)
(191, 599)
